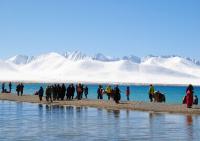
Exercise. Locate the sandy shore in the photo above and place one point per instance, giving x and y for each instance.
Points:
(133, 105)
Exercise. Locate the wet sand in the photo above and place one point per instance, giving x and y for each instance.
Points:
(133, 105)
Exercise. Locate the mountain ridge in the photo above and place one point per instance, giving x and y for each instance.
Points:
(77, 55)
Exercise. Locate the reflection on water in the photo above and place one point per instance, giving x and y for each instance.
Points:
(24, 121)
(189, 120)
(189, 124)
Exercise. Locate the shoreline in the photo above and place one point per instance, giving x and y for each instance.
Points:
(131, 105)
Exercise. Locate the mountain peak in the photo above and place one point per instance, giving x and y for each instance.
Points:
(132, 58)
(102, 57)
(75, 55)
(19, 59)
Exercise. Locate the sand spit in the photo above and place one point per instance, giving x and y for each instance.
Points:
(133, 105)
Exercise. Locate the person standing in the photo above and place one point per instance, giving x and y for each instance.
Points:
(10, 87)
(82, 91)
(18, 89)
(128, 93)
(72, 91)
(100, 92)
(69, 92)
(108, 91)
(76, 91)
(195, 101)
(49, 91)
(79, 91)
(189, 96)
(86, 91)
(63, 91)
(54, 90)
(3, 87)
(151, 93)
(21, 89)
(59, 93)
(40, 93)
(117, 95)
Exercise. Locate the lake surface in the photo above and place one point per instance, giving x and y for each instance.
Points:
(29, 122)
(174, 94)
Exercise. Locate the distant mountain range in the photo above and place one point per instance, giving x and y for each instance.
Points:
(76, 66)
(77, 55)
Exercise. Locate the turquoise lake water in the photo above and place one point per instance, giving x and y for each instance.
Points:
(174, 94)
(35, 122)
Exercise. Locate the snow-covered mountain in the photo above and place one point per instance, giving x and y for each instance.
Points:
(77, 66)
(20, 59)
(75, 56)
(132, 58)
(101, 57)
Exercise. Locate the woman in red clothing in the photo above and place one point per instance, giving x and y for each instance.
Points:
(189, 96)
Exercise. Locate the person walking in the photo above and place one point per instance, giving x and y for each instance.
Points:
(40, 93)
(151, 93)
(128, 93)
(189, 96)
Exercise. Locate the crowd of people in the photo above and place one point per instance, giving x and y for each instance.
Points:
(60, 92)
(155, 96)
(19, 88)
(115, 93)
(3, 87)
(189, 99)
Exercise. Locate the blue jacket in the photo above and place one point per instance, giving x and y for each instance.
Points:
(41, 92)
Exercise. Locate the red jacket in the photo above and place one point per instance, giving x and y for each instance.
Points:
(189, 98)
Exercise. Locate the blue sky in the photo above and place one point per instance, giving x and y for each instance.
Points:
(112, 27)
